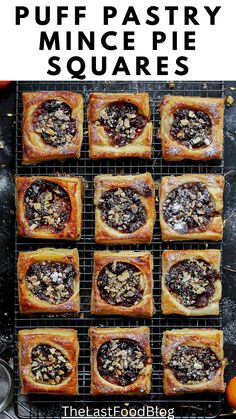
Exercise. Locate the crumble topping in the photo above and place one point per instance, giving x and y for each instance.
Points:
(122, 209)
(193, 129)
(49, 365)
(192, 282)
(47, 205)
(122, 122)
(120, 284)
(189, 207)
(191, 364)
(54, 123)
(121, 361)
(51, 281)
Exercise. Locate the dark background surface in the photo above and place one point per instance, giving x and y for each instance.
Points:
(7, 221)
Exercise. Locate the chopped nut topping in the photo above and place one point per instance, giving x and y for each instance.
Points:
(191, 364)
(51, 281)
(47, 204)
(49, 365)
(122, 122)
(189, 207)
(53, 121)
(121, 361)
(122, 210)
(193, 129)
(120, 284)
(192, 282)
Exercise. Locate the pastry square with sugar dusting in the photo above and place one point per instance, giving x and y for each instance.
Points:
(190, 207)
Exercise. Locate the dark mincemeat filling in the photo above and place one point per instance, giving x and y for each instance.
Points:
(122, 123)
(119, 284)
(192, 281)
(47, 205)
(193, 364)
(49, 365)
(193, 129)
(51, 281)
(189, 207)
(121, 361)
(122, 210)
(54, 123)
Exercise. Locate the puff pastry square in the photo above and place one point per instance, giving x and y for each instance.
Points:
(112, 375)
(48, 281)
(193, 361)
(52, 126)
(191, 128)
(122, 284)
(191, 283)
(45, 348)
(49, 207)
(191, 206)
(119, 125)
(124, 209)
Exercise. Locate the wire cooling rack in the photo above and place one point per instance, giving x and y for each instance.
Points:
(42, 406)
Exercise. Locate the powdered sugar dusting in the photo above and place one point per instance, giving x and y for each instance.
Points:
(181, 227)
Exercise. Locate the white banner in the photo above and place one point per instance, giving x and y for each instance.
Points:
(117, 39)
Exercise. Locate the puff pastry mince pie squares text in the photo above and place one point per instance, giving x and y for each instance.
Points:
(48, 361)
(191, 128)
(122, 284)
(48, 281)
(119, 125)
(52, 126)
(191, 283)
(121, 361)
(193, 361)
(191, 207)
(124, 209)
(49, 207)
